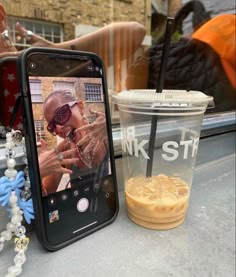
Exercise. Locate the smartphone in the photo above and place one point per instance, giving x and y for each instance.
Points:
(67, 127)
(11, 114)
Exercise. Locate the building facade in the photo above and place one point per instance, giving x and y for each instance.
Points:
(71, 13)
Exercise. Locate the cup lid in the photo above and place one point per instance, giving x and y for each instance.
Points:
(180, 98)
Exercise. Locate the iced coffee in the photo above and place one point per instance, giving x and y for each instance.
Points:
(157, 202)
(160, 134)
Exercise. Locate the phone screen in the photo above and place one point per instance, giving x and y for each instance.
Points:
(71, 134)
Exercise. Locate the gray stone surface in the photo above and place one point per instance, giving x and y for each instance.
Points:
(215, 7)
(203, 246)
(218, 6)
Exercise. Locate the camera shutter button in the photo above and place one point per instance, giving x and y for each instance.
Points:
(82, 205)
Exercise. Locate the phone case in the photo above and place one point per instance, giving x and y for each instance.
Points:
(9, 87)
(29, 132)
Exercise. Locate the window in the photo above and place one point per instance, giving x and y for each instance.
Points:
(50, 31)
(64, 85)
(93, 92)
(123, 53)
(39, 130)
(36, 92)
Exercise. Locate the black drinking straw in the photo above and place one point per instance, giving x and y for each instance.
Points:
(159, 88)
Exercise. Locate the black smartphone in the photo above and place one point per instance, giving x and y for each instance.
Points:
(69, 143)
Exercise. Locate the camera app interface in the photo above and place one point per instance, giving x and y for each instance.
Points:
(72, 141)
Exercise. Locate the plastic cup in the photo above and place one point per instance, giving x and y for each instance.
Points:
(159, 200)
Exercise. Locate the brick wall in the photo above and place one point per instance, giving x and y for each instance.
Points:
(72, 12)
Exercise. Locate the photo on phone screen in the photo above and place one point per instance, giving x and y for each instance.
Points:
(66, 103)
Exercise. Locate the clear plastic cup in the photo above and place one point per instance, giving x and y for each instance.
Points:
(160, 136)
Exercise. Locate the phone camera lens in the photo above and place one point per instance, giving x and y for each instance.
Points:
(32, 65)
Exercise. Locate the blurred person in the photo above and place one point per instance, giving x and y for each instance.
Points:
(121, 34)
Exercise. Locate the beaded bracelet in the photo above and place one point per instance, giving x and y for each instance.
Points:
(15, 192)
(21, 241)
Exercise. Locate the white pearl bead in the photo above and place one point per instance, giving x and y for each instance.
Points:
(11, 163)
(7, 235)
(11, 227)
(13, 198)
(15, 270)
(16, 219)
(10, 173)
(19, 266)
(3, 235)
(10, 275)
(15, 210)
(9, 145)
(20, 259)
(2, 239)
